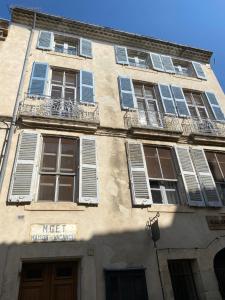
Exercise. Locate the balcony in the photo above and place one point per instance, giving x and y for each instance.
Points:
(55, 111)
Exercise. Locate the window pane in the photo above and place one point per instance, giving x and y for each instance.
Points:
(202, 112)
(171, 192)
(50, 150)
(188, 98)
(152, 162)
(57, 77)
(69, 94)
(138, 90)
(221, 159)
(56, 92)
(193, 111)
(214, 167)
(47, 188)
(59, 48)
(66, 187)
(68, 152)
(167, 163)
(156, 193)
(71, 79)
(198, 99)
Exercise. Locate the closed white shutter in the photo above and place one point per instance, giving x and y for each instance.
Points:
(86, 87)
(190, 179)
(45, 40)
(205, 177)
(127, 96)
(157, 62)
(198, 70)
(167, 99)
(23, 182)
(181, 104)
(85, 48)
(38, 79)
(213, 103)
(167, 64)
(141, 193)
(121, 55)
(88, 186)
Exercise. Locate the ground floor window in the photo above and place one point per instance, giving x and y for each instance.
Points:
(126, 285)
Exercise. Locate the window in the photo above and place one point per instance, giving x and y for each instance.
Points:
(182, 278)
(66, 45)
(126, 285)
(137, 58)
(216, 161)
(162, 174)
(196, 105)
(148, 111)
(58, 169)
(183, 67)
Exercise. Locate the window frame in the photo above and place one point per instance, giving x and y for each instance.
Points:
(195, 105)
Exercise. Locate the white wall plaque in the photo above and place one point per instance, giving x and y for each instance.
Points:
(53, 232)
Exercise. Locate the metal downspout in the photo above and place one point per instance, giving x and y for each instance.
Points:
(16, 107)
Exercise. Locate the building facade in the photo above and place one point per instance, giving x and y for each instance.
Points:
(112, 165)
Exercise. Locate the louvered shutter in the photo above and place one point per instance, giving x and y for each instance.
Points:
(141, 193)
(167, 64)
(45, 40)
(167, 99)
(156, 61)
(205, 178)
(86, 87)
(88, 186)
(181, 104)
(216, 110)
(23, 182)
(127, 95)
(190, 179)
(198, 70)
(85, 48)
(38, 80)
(121, 55)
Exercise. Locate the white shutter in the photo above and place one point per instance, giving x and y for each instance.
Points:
(156, 61)
(121, 55)
(205, 177)
(88, 186)
(167, 99)
(216, 110)
(86, 87)
(23, 182)
(167, 64)
(190, 179)
(85, 48)
(198, 70)
(181, 104)
(141, 193)
(127, 96)
(45, 40)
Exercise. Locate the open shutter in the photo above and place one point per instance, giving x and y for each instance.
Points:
(141, 193)
(121, 55)
(181, 104)
(198, 70)
(45, 40)
(38, 80)
(88, 187)
(167, 64)
(23, 182)
(213, 102)
(85, 48)
(205, 178)
(127, 95)
(86, 87)
(156, 61)
(167, 99)
(190, 179)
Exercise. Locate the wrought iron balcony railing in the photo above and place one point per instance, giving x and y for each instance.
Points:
(45, 106)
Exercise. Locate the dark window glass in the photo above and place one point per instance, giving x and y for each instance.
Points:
(68, 148)
(152, 162)
(50, 152)
(213, 160)
(33, 272)
(66, 187)
(166, 163)
(47, 188)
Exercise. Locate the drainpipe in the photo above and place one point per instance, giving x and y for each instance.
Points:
(16, 107)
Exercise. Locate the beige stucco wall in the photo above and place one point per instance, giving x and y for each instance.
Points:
(112, 235)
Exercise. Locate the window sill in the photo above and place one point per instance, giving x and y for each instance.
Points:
(170, 208)
(65, 55)
(56, 206)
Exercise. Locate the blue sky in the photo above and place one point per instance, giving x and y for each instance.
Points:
(198, 23)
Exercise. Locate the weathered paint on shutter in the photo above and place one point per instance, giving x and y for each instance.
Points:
(86, 87)
(85, 48)
(198, 70)
(190, 179)
(121, 55)
(38, 80)
(181, 104)
(167, 99)
(127, 96)
(88, 180)
(23, 183)
(167, 64)
(156, 61)
(45, 40)
(213, 103)
(141, 193)
(205, 178)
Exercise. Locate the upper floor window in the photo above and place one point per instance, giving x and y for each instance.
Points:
(183, 67)
(137, 59)
(66, 45)
(196, 105)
